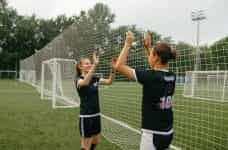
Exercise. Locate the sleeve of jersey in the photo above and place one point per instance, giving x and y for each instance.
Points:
(98, 80)
(140, 76)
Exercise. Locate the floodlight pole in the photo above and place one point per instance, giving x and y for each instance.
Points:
(197, 17)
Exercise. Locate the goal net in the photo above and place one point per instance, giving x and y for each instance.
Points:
(28, 71)
(200, 119)
(207, 85)
(28, 76)
(57, 82)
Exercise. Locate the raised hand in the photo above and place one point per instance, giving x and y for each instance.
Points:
(113, 63)
(129, 39)
(95, 57)
(147, 40)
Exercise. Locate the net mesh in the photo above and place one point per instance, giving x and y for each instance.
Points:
(206, 85)
(198, 124)
(57, 82)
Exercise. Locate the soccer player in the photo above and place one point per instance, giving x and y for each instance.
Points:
(158, 89)
(87, 87)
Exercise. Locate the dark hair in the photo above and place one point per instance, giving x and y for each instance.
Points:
(165, 52)
(78, 70)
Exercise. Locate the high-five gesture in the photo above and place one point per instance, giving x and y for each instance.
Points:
(147, 42)
(129, 39)
(121, 61)
(95, 57)
(113, 63)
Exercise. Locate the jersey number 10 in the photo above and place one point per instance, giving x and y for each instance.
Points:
(166, 102)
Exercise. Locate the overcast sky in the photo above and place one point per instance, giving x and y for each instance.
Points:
(167, 17)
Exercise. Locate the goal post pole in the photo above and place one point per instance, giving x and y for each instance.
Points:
(42, 81)
(224, 86)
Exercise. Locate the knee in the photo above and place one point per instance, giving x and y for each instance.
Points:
(86, 143)
(96, 139)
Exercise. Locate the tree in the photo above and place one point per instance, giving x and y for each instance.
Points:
(3, 4)
(168, 39)
(21, 35)
(101, 17)
(219, 53)
(185, 60)
(8, 18)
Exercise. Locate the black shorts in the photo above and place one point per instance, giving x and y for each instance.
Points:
(162, 142)
(151, 141)
(90, 126)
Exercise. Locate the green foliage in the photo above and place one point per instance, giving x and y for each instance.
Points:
(20, 36)
(100, 17)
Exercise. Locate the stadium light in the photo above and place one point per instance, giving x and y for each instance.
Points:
(197, 16)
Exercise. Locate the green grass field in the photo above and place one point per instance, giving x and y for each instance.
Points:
(30, 123)
(199, 124)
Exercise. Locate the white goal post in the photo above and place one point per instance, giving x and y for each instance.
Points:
(206, 85)
(57, 82)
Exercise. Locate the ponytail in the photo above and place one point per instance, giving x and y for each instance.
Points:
(78, 70)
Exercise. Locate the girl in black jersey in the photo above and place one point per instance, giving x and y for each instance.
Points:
(87, 87)
(158, 89)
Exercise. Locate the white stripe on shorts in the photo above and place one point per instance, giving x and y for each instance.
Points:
(157, 132)
(82, 126)
(88, 116)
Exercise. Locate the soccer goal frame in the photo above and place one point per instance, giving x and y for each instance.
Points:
(56, 81)
(212, 84)
(7, 76)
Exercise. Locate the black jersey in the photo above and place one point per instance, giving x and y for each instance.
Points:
(158, 89)
(89, 97)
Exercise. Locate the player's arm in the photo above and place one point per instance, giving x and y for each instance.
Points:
(121, 61)
(147, 45)
(107, 81)
(88, 76)
(147, 42)
(112, 74)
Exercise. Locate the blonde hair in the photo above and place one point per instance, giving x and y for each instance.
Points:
(79, 72)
